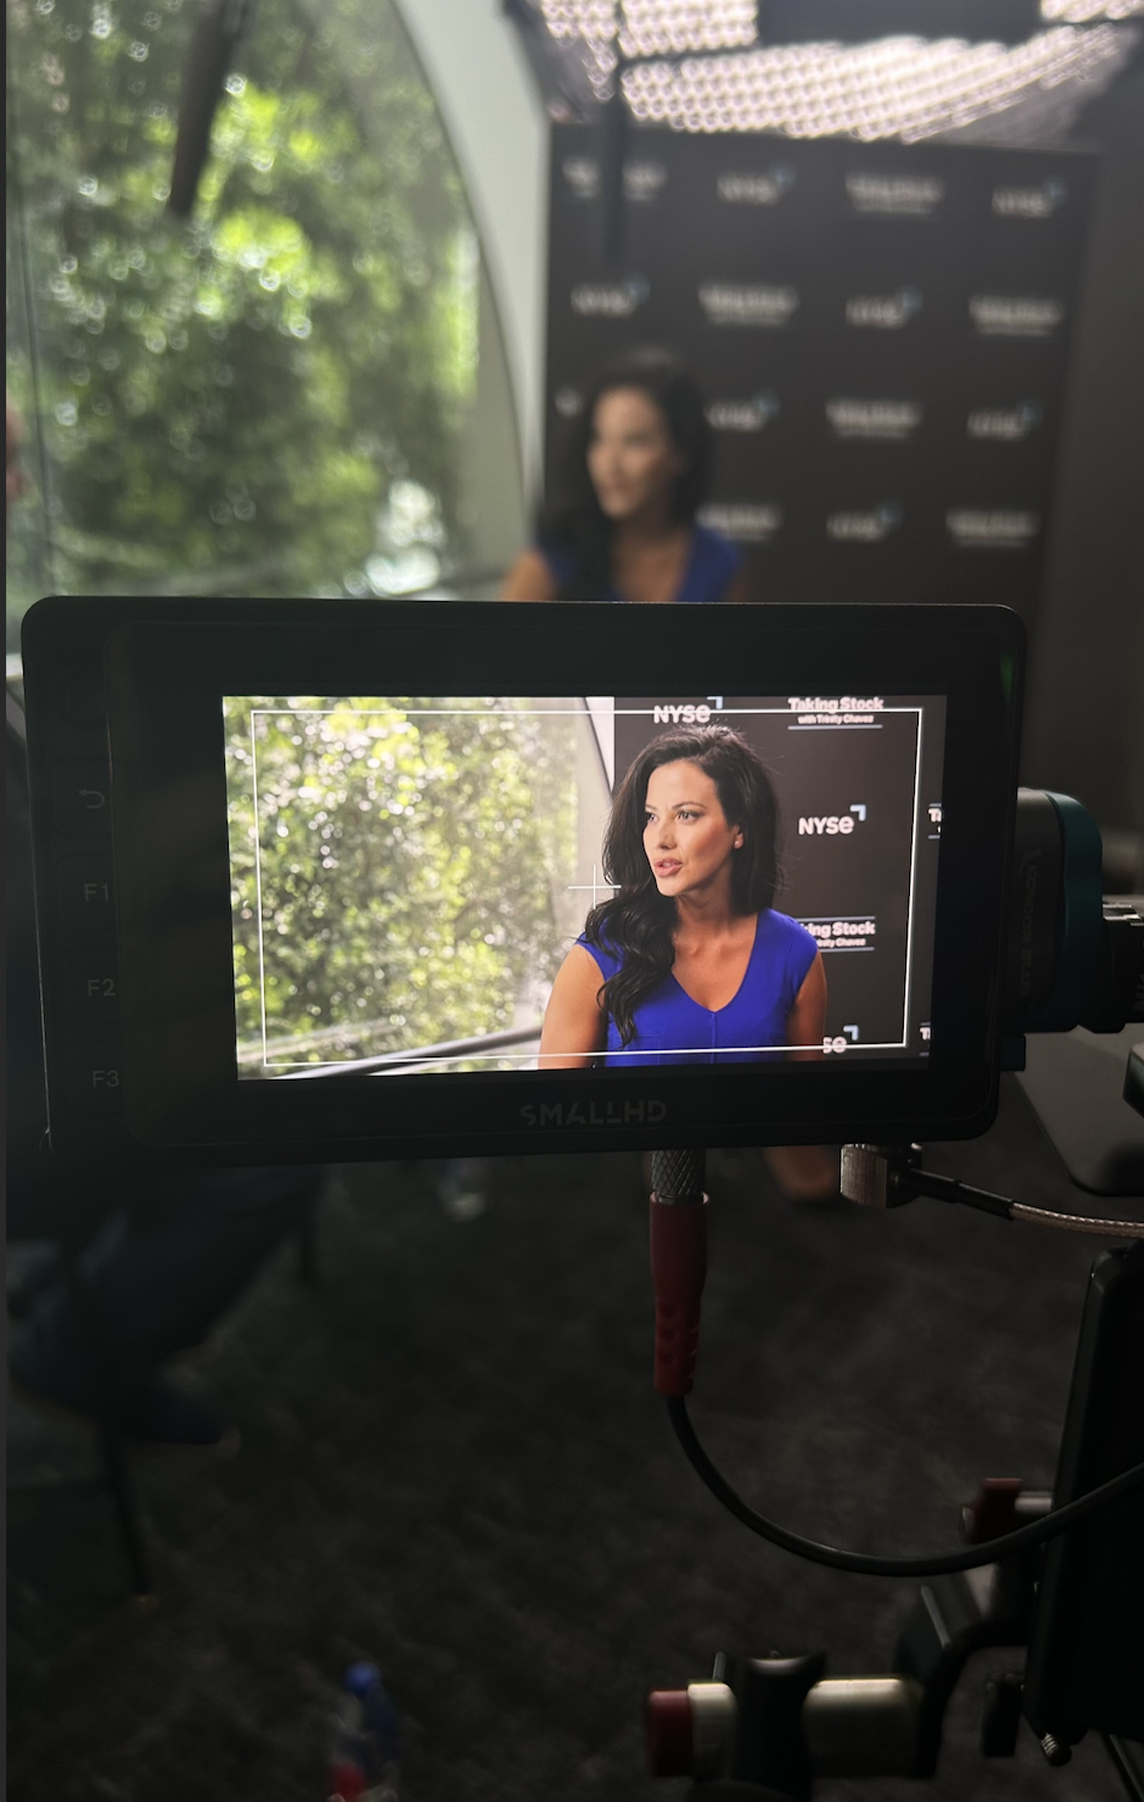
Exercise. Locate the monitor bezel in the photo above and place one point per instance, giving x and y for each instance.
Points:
(167, 667)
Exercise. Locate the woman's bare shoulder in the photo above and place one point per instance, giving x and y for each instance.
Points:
(529, 579)
(580, 968)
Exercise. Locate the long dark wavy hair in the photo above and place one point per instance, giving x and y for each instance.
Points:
(637, 922)
(575, 521)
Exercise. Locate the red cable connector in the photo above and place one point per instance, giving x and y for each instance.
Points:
(679, 1268)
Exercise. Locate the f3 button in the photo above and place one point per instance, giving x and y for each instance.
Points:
(94, 1080)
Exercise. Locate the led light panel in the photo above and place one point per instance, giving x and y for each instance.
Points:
(904, 87)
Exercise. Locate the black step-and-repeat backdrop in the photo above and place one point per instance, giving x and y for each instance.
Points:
(880, 332)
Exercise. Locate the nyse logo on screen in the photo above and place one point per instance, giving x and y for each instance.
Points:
(1004, 425)
(609, 300)
(686, 714)
(727, 303)
(995, 529)
(884, 419)
(883, 312)
(1015, 316)
(871, 526)
(899, 196)
(747, 522)
(815, 825)
(760, 188)
(742, 415)
(594, 1113)
(1029, 203)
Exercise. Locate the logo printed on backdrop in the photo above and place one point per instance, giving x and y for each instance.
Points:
(1004, 425)
(642, 181)
(1029, 203)
(870, 526)
(742, 415)
(728, 303)
(582, 174)
(609, 300)
(979, 528)
(747, 522)
(759, 188)
(885, 419)
(898, 196)
(883, 312)
(744, 297)
(1015, 316)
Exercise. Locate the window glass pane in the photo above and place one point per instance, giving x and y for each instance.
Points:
(278, 396)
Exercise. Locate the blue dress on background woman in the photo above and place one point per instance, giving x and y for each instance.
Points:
(712, 566)
(671, 1028)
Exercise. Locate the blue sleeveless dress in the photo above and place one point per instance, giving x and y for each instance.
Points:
(713, 564)
(671, 1028)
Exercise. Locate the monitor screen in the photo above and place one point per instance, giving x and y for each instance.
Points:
(457, 883)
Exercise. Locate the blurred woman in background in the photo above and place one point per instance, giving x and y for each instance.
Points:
(625, 528)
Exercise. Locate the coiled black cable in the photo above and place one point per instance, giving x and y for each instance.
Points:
(863, 1563)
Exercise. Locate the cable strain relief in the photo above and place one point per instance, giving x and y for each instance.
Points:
(678, 1238)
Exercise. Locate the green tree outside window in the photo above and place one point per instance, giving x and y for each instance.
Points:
(269, 399)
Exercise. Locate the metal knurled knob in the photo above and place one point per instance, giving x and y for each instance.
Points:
(677, 1175)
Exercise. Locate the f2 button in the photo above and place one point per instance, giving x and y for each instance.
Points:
(93, 991)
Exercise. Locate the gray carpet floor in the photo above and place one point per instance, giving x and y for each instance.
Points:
(454, 1463)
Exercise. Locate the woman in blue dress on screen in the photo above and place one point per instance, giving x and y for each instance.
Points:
(625, 529)
(689, 962)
